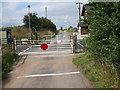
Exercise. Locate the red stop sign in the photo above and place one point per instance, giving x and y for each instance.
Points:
(44, 46)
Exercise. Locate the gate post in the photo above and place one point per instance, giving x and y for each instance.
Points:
(15, 45)
(74, 43)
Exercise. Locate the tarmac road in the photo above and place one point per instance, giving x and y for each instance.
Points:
(52, 68)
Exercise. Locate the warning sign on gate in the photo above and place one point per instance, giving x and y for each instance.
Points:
(44, 46)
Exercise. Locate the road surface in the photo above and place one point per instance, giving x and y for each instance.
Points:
(52, 68)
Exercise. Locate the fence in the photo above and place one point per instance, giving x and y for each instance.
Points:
(31, 42)
(78, 47)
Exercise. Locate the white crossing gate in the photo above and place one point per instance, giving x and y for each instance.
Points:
(56, 44)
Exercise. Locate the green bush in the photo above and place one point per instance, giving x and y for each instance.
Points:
(102, 76)
(56, 32)
(103, 45)
(104, 21)
(7, 62)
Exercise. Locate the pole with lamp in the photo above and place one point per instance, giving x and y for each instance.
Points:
(29, 20)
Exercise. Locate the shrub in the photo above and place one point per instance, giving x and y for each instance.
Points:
(7, 62)
(104, 39)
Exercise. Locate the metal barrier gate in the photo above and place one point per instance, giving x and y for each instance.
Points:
(57, 44)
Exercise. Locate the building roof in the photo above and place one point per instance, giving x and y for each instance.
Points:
(84, 9)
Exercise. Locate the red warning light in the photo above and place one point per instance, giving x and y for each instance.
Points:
(44, 46)
(44, 37)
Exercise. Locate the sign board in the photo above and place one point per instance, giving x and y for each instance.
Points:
(44, 46)
(3, 37)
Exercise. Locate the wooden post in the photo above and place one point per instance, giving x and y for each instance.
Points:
(74, 43)
(14, 41)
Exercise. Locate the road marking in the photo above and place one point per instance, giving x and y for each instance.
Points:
(44, 75)
(24, 50)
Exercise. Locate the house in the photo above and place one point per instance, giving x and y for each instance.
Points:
(84, 25)
(85, 11)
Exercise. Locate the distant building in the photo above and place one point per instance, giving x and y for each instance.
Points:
(83, 25)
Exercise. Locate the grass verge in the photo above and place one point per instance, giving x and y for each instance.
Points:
(7, 62)
(100, 75)
(70, 31)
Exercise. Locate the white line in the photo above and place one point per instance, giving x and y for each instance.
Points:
(43, 75)
(24, 50)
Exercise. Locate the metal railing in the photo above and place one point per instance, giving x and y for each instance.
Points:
(31, 42)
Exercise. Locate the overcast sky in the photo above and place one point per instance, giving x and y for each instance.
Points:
(61, 12)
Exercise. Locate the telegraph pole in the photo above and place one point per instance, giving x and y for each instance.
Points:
(46, 12)
(79, 17)
(29, 20)
(75, 43)
(79, 10)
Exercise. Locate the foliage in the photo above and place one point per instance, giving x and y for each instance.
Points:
(7, 62)
(80, 60)
(38, 23)
(19, 32)
(34, 21)
(103, 65)
(61, 28)
(56, 32)
(46, 23)
(44, 32)
(104, 22)
(70, 31)
(102, 76)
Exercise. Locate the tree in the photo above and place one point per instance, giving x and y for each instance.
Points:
(46, 23)
(38, 23)
(104, 22)
(34, 21)
(61, 28)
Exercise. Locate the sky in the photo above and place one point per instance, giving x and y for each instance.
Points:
(61, 12)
